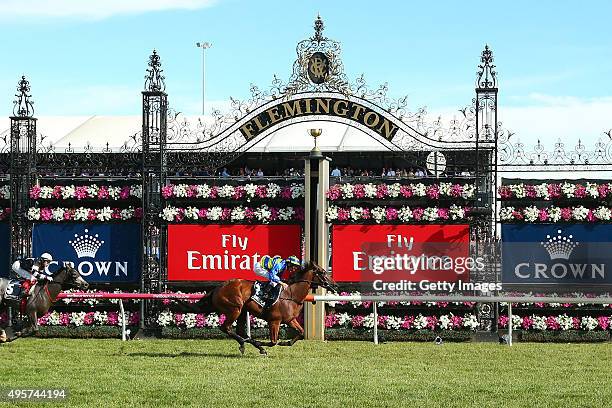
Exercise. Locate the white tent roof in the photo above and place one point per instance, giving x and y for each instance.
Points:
(97, 131)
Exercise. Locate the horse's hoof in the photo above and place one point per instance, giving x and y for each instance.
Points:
(241, 348)
(263, 352)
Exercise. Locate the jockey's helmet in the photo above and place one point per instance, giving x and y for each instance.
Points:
(293, 260)
(266, 262)
(46, 257)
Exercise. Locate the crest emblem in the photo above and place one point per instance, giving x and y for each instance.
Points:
(318, 67)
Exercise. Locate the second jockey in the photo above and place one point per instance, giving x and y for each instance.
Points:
(31, 270)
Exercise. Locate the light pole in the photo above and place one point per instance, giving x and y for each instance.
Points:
(204, 46)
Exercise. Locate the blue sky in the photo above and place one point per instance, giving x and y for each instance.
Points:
(88, 57)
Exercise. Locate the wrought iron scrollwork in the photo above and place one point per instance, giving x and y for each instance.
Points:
(23, 106)
(486, 77)
(154, 80)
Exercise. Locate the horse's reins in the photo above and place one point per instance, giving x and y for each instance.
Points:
(309, 282)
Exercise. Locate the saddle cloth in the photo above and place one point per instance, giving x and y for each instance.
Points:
(13, 290)
(265, 295)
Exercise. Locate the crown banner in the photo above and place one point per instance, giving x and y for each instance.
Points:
(5, 249)
(221, 252)
(100, 252)
(559, 255)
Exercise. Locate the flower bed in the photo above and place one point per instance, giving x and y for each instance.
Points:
(262, 214)
(97, 318)
(383, 191)
(409, 322)
(555, 214)
(556, 323)
(59, 214)
(230, 192)
(390, 214)
(555, 191)
(83, 192)
(397, 335)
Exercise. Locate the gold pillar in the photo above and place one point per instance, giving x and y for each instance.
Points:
(316, 169)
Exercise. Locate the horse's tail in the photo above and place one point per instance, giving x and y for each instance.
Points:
(204, 305)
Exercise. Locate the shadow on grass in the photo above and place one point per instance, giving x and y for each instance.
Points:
(184, 354)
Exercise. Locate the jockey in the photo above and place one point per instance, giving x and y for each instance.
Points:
(269, 268)
(293, 264)
(31, 270)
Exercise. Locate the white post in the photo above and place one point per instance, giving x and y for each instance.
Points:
(248, 324)
(122, 311)
(510, 323)
(375, 322)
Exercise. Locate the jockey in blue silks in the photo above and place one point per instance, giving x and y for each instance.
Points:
(271, 267)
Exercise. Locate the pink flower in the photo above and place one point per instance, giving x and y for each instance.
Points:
(138, 212)
(134, 319)
(221, 319)
(443, 213)
(80, 192)
(286, 193)
(417, 213)
(554, 190)
(365, 214)
(69, 214)
(214, 192)
(103, 193)
(240, 192)
(433, 191)
(274, 212)
(576, 323)
(382, 191)
(88, 319)
(331, 320)
(91, 215)
(527, 323)
(299, 213)
(112, 318)
(543, 215)
(603, 190)
(359, 190)
(261, 191)
(382, 321)
(604, 322)
(192, 191)
(64, 319)
(505, 192)
(343, 214)
(502, 321)
(391, 213)
(406, 191)
(226, 213)
(202, 213)
(35, 193)
(116, 215)
(456, 190)
(366, 304)
(168, 191)
(518, 214)
(334, 192)
(552, 323)
(530, 191)
(42, 321)
(46, 214)
(456, 321)
(179, 319)
(432, 322)
(357, 321)
(591, 216)
(249, 214)
(125, 192)
(580, 191)
(200, 320)
(407, 322)
(566, 214)
(57, 192)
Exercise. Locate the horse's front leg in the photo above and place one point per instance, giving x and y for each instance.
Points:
(274, 327)
(32, 326)
(297, 326)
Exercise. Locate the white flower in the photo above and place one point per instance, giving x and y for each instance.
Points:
(212, 320)
(127, 213)
(580, 213)
(286, 214)
(164, 318)
(203, 191)
(456, 212)
(430, 214)
(77, 318)
(394, 190)
(589, 323)
(518, 190)
(180, 190)
(257, 323)
(344, 319)
(58, 214)
(33, 214)
(470, 321)
(531, 213)
(445, 322)
(136, 191)
(237, 214)
(369, 190)
(603, 213)
(419, 189)
(516, 321)
(565, 322)
(190, 320)
(568, 189)
(104, 214)
(378, 214)
(81, 213)
(542, 191)
(250, 190)
(356, 213)
(273, 190)
(53, 319)
(394, 322)
(445, 189)
(331, 214)
(368, 321)
(505, 214)
(539, 322)
(420, 322)
(169, 213)
(347, 190)
(468, 190)
(214, 213)
(404, 214)
(92, 190)
(263, 214)
(192, 213)
(226, 191)
(46, 192)
(113, 192)
(68, 192)
(554, 214)
(101, 318)
(297, 191)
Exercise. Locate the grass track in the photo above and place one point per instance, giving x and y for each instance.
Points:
(310, 374)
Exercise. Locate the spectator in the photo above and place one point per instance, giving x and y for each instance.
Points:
(419, 173)
(336, 172)
(224, 172)
(391, 172)
(260, 172)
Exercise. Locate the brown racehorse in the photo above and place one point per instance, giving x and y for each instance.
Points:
(41, 300)
(233, 299)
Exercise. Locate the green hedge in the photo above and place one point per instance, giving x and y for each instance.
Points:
(397, 335)
(569, 336)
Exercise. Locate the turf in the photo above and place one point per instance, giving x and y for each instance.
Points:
(211, 373)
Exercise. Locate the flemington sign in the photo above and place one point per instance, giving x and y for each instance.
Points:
(311, 106)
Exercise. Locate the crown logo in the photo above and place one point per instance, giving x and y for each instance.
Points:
(559, 246)
(86, 246)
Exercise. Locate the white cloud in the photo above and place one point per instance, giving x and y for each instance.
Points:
(92, 9)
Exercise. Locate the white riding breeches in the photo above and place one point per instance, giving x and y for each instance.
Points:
(261, 271)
